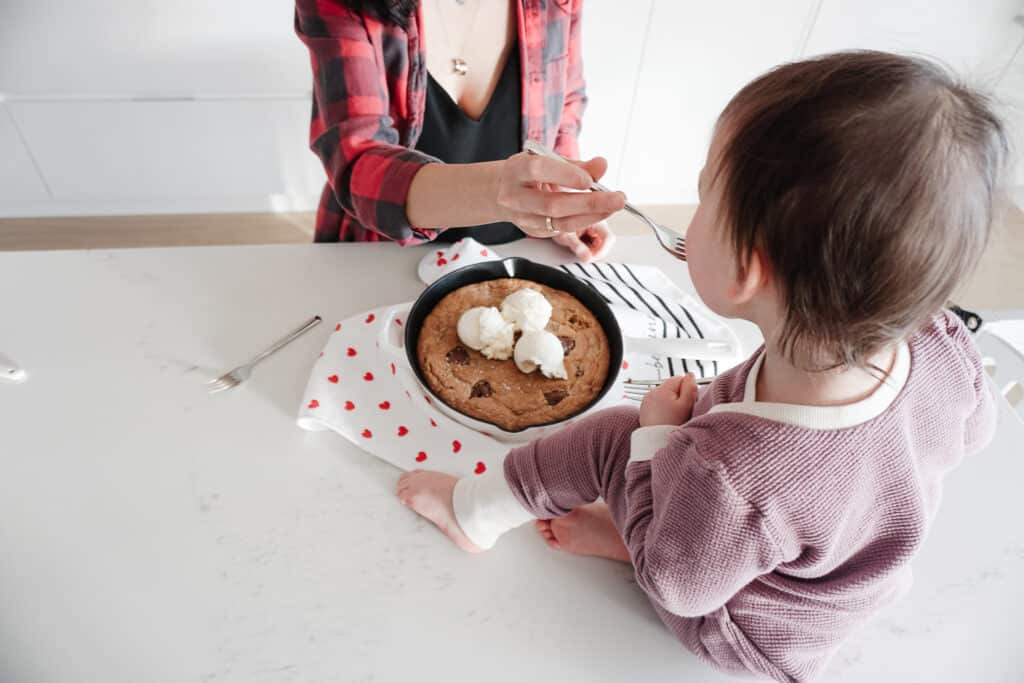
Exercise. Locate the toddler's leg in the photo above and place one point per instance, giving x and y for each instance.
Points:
(586, 461)
(546, 478)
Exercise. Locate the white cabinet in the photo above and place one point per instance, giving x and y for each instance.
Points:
(105, 150)
(18, 178)
(613, 44)
(148, 47)
(1011, 100)
(977, 38)
(696, 57)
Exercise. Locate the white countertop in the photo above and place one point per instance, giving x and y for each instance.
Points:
(151, 533)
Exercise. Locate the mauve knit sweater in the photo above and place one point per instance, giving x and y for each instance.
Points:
(762, 543)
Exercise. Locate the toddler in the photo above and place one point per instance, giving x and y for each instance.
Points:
(842, 200)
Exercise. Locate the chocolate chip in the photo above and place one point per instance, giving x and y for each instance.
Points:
(555, 396)
(577, 323)
(579, 370)
(458, 356)
(481, 389)
(568, 344)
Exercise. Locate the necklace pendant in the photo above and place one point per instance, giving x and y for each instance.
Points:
(459, 66)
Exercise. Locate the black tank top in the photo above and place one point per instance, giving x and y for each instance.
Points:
(453, 137)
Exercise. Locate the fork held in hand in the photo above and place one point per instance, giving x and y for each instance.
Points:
(232, 378)
(636, 389)
(670, 240)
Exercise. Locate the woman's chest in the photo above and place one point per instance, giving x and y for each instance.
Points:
(467, 44)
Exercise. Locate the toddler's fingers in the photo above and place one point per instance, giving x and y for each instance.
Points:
(673, 385)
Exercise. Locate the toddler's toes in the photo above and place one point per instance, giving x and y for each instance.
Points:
(544, 529)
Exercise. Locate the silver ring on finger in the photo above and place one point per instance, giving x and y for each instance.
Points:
(549, 224)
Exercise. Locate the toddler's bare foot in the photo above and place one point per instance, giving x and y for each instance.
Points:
(430, 495)
(587, 530)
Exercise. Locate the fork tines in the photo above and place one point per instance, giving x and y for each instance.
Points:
(680, 248)
(222, 383)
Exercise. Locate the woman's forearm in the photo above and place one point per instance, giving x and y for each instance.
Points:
(454, 195)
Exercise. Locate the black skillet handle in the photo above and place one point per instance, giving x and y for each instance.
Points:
(971, 320)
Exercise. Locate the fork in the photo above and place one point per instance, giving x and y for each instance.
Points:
(232, 378)
(636, 389)
(670, 240)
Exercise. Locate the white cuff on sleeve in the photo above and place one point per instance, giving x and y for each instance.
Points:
(646, 441)
(485, 507)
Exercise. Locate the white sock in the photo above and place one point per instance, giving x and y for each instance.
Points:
(485, 507)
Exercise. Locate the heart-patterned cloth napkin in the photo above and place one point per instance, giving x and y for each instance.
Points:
(363, 390)
(458, 254)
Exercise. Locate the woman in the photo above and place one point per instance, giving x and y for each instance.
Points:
(385, 111)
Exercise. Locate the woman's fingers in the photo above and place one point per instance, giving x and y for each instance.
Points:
(599, 239)
(573, 243)
(562, 204)
(529, 194)
(596, 167)
(537, 226)
(531, 169)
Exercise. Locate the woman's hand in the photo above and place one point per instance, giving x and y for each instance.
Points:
(589, 244)
(670, 403)
(528, 193)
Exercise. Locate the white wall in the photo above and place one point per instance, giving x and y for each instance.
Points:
(155, 106)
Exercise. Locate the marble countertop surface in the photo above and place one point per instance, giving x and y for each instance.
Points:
(149, 532)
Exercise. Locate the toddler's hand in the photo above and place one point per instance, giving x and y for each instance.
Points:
(671, 403)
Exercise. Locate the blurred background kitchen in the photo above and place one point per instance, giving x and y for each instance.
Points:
(154, 123)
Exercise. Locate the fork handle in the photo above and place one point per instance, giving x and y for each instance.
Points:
(288, 339)
(534, 147)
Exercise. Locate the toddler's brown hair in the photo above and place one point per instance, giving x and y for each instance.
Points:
(869, 181)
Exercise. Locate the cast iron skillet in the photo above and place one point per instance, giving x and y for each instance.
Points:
(526, 270)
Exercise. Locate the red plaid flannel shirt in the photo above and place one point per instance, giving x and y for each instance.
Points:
(369, 95)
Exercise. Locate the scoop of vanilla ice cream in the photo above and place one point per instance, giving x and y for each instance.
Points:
(527, 309)
(483, 329)
(541, 350)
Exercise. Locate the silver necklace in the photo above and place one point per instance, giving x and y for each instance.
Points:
(459, 65)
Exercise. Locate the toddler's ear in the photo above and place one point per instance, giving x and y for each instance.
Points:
(750, 278)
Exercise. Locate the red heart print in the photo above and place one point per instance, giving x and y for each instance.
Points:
(455, 258)
(333, 379)
(321, 354)
(349, 405)
(456, 446)
(337, 327)
(398, 321)
(480, 468)
(367, 434)
(421, 456)
(385, 405)
(432, 423)
(429, 402)
(440, 254)
(392, 368)
(408, 395)
(368, 377)
(314, 404)
(402, 431)
(483, 252)
(625, 365)
(351, 352)
(370, 318)
(442, 262)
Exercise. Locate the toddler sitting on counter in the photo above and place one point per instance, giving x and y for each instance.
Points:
(842, 200)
